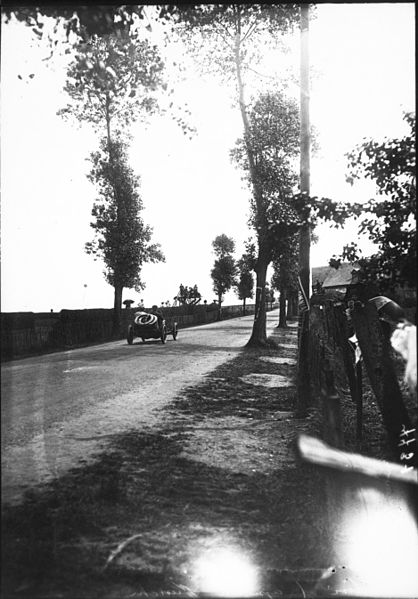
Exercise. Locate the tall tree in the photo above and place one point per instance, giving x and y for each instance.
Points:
(389, 220)
(122, 239)
(273, 133)
(244, 284)
(112, 81)
(224, 268)
(269, 295)
(285, 275)
(234, 37)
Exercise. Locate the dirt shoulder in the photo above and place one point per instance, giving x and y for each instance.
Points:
(221, 472)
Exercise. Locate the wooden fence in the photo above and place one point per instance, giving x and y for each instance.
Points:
(335, 362)
(28, 333)
(371, 504)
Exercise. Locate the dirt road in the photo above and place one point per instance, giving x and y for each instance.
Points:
(58, 410)
(186, 481)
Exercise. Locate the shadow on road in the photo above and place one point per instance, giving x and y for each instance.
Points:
(61, 537)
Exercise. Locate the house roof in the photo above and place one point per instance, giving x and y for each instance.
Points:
(320, 273)
(341, 277)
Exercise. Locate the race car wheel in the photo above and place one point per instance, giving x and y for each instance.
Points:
(130, 336)
(163, 334)
(175, 331)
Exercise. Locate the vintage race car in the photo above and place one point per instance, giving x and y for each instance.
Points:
(147, 326)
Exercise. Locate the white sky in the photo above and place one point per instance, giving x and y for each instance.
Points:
(363, 71)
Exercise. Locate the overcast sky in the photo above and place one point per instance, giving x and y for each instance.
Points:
(363, 71)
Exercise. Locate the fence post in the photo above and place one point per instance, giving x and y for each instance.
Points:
(343, 334)
(353, 370)
(359, 403)
(303, 383)
(332, 411)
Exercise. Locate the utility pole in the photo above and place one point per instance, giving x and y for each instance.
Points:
(305, 147)
(303, 387)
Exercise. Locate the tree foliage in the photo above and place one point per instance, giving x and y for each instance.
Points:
(285, 274)
(230, 39)
(223, 246)
(223, 276)
(121, 239)
(269, 294)
(244, 283)
(113, 79)
(273, 134)
(83, 21)
(285, 265)
(224, 268)
(390, 219)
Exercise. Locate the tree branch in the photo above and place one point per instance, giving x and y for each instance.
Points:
(250, 30)
(230, 46)
(260, 74)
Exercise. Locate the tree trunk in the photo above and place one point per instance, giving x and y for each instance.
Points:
(282, 308)
(258, 196)
(290, 313)
(117, 304)
(117, 307)
(259, 336)
(294, 306)
(243, 307)
(219, 306)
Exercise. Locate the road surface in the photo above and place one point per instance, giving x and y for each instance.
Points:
(59, 410)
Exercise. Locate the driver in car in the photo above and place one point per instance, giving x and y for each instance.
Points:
(157, 312)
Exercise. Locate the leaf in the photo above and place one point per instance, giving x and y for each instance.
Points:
(111, 72)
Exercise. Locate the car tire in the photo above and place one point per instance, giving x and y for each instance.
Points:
(163, 334)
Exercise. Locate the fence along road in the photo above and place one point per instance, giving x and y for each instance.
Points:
(60, 409)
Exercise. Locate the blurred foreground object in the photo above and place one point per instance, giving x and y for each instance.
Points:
(317, 452)
(372, 509)
(404, 341)
(403, 338)
(388, 309)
